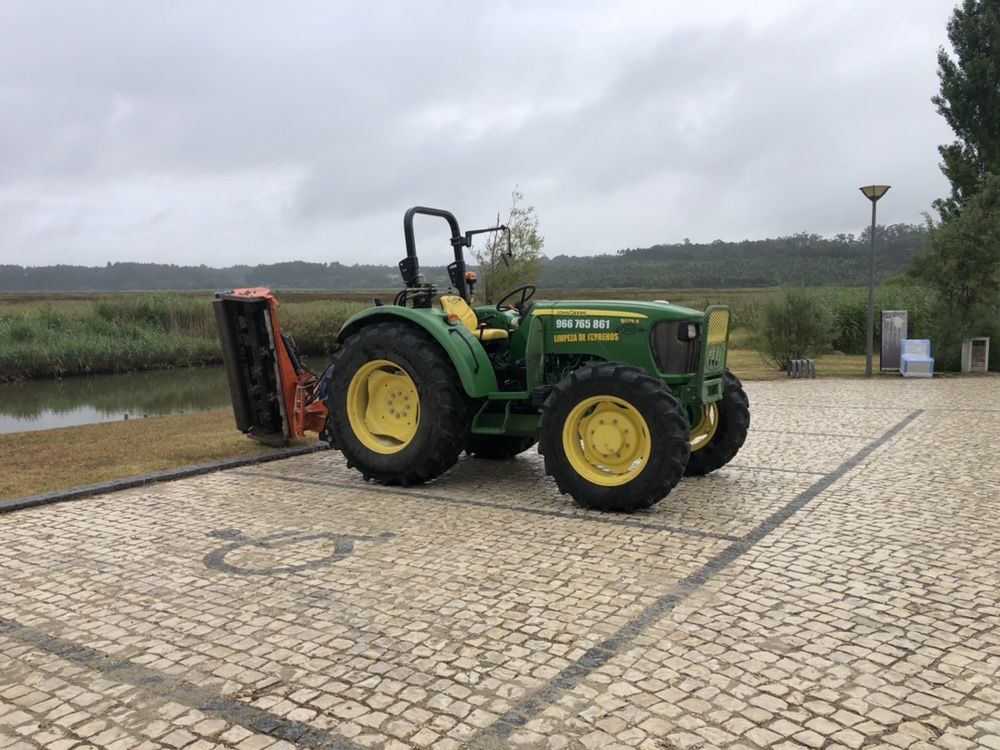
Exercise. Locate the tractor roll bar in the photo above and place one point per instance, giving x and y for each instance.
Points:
(411, 272)
(456, 233)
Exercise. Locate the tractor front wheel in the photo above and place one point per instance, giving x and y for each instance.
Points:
(719, 429)
(613, 437)
(398, 411)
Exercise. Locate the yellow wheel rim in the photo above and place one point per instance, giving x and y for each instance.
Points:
(708, 422)
(383, 406)
(606, 440)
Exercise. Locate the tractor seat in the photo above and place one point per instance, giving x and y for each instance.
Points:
(452, 304)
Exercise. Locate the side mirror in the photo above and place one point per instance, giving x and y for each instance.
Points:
(504, 256)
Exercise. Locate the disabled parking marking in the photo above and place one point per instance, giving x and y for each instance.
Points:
(343, 546)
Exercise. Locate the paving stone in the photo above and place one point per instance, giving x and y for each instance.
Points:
(178, 739)
(848, 738)
(255, 742)
(951, 741)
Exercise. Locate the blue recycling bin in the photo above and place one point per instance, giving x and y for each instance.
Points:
(915, 360)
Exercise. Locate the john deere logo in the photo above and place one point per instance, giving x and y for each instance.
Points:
(715, 358)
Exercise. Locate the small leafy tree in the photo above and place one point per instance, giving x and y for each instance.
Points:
(794, 326)
(524, 265)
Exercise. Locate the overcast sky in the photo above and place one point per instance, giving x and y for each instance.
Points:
(246, 132)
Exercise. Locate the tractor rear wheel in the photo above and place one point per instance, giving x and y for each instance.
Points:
(719, 429)
(498, 446)
(398, 411)
(613, 437)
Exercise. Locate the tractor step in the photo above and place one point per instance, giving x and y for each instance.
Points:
(488, 421)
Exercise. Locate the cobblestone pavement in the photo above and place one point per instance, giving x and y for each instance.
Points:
(836, 586)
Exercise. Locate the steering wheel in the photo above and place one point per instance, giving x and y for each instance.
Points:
(523, 293)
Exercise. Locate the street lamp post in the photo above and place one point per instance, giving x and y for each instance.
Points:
(872, 193)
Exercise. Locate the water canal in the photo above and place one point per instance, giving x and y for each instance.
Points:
(45, 404)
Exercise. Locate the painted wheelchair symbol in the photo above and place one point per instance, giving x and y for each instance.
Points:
(343, 546)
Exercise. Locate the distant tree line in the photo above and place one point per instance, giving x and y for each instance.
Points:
(796, 260)
(119, 277)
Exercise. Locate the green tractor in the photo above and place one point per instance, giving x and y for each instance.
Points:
(623, 398)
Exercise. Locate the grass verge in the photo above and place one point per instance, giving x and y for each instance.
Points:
(748, 364)
(36, 462)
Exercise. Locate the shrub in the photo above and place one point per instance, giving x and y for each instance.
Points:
(183, 314)
(793, 326)
(946, 335)
(17, 329)
(850, 321)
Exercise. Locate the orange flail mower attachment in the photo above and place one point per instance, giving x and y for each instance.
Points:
(275, 398)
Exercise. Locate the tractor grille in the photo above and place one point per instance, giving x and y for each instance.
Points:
(717, 339)
(674, 355)
(718, 327)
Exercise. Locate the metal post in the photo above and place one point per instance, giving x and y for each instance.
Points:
(872, 193)
(871, 301)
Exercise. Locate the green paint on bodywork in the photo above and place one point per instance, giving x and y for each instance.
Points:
(621, 331)
(464, 350)
(607, 330)
(652, 310)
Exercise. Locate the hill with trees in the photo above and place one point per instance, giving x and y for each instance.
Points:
(796, 260)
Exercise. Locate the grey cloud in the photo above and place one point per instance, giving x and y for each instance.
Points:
(263, 130)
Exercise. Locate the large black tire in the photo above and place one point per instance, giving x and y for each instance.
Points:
(667, 440)
(444, 409)
(734, 423)
(498, 447)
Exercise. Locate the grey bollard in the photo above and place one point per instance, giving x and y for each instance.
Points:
(801, 368)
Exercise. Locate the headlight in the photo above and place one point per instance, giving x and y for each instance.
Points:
(688, 331)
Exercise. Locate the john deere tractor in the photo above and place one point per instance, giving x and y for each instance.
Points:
(623, 398)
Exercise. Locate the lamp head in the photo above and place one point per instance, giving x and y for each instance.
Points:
(874, 192)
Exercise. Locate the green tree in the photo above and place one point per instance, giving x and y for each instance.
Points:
(794, 326)
(969, 100)
(524, 265)
(963, 264)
